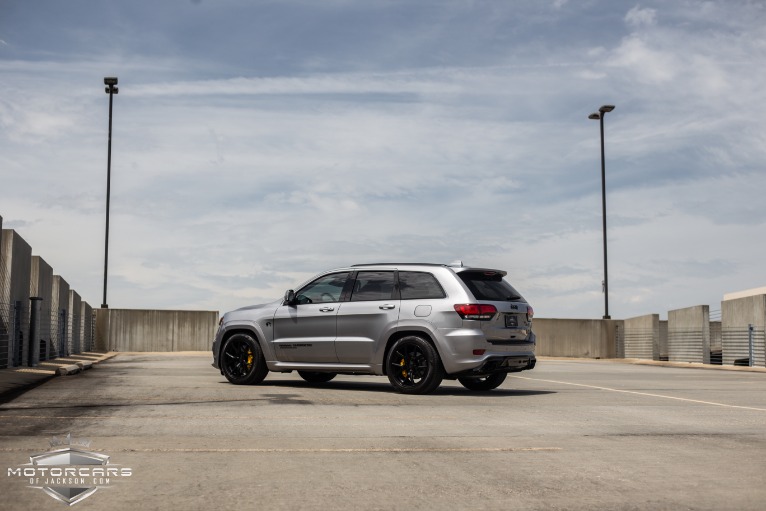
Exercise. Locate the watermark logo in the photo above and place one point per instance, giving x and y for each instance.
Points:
(68, 471)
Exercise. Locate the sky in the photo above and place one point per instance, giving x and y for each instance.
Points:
(257, 143)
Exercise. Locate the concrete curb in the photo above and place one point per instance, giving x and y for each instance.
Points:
(16, 381)
(67, 370)
(82, 365)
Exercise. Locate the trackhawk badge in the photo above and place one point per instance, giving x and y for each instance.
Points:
(68, 472)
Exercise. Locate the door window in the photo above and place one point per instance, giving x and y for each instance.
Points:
(373, 285)
(327, 288)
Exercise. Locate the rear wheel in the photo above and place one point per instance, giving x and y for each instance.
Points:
(488, 382)
(315, 377)
(413, 366)
(242, 360)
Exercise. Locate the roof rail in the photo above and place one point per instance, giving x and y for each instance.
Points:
(399, 264)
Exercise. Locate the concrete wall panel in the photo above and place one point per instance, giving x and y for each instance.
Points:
(736, 315)
(15, 272)
(689, 334)
(581, 338)
(740, 312)
(74, 320)
(664, 340)
(642, 337)
(155, 330)
(60, 315)
(41, 286)
(87, 333)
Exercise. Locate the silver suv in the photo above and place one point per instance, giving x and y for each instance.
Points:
(415, 323)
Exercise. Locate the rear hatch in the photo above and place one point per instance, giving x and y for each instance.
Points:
(513, 321)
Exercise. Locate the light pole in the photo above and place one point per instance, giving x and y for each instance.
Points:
(111, 89)
(600, 117)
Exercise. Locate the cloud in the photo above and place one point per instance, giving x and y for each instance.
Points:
(638, 17)
(381, 130)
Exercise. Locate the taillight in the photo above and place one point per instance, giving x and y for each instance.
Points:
(530, 313)
(479, 311)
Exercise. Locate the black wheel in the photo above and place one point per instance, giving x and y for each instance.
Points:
(313, 377)
(242, 360)
(413, 366)
(488, 382)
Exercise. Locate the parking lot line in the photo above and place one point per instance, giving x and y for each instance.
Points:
(330, 450)
(649, 394)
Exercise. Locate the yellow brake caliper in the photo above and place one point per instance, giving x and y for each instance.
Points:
(249, 358)
(404, 371)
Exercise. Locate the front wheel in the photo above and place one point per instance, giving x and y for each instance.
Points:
(488, 382)
(242, 360)
(315, 377)
(413, 366)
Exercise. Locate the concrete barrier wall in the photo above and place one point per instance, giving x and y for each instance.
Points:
(689, 334)
(75, 334)
(15, 273)
(59, 307)
(155, 330)
(664, 340)
(642, 337)
(740, 312)
(41, 286)
(86, 327)
(581, 338)
(736, 315)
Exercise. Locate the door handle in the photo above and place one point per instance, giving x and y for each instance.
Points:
(387, 306)
(327, 309)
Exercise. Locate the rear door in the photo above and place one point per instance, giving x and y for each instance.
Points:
(368, 317)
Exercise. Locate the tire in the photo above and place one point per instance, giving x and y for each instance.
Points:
(413, 366)
(315, 377)
(242, 360)
(481, 383)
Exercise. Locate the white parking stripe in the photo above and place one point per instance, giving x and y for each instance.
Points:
(644, 394)
(331, 450)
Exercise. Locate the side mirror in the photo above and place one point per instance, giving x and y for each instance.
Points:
(289, 297)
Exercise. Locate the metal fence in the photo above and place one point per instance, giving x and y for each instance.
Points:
(716, 349)
(728, 346)
(59, 334)
(745, 346)
(14, 325)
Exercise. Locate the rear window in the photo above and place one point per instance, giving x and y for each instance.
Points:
(489, 286)
(415, 285)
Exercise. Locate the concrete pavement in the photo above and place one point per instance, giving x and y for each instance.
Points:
(571, 434)
(16, 381)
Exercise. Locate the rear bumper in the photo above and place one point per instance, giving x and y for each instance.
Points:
(501, 364)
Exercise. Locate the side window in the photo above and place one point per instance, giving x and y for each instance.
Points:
(324, 289)
(373, 285)
(418, 285)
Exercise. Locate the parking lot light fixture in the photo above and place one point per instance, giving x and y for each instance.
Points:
(600, 117)
(111, 89)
